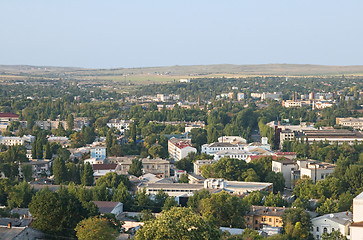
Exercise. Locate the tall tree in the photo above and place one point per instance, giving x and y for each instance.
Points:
(59, 171)
(48, 151)
(87, 175)
(95, 228)
(70, 122)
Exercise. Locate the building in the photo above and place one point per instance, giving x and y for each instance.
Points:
(333, 136)
(240, 96)
(356, 123)
(179, 148)
(213, 148)
(232, 139)
(115, 208)
(98, 152)
(284, 166)
(100, 170)
(79, 122)
(40, 168)
(199, 163)
(157, 166)
(190, 125)
(11, 141)
(323, 104)
(237, 154)
(329, 223)
(260, 216)
(121, 125)
(273, 96)
(356, 228)
(8, 117)
(184, 80)
(50, 125)
(63, 141)
(213, 185)
(315, 170)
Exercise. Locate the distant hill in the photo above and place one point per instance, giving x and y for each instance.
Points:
(194, 70)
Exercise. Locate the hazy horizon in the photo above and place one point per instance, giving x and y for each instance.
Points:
(114, 34)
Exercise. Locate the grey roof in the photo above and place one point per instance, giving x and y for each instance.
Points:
(266, 211)
(340, 218)
(222, 144)
(105, 206)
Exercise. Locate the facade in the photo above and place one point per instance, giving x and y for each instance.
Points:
(260, 216)
(100, 170)
(50, 125)
(11, 141)
(179, 148)
(98, 152)
(213, 148)
(356, 228)
(79, 122)
(121, 125)
(331, 222)
(273, 96)
(284, 166)
(190, 125)
(356, 123)
(232, 139)
(240, 96)
(157, 166)
(63, 141)
(237, 154)
(315, 170)
(40, 168)
(8, 117)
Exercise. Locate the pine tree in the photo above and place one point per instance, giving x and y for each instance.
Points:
(136, 168)
(70, 122)
(39, 151)
(48, 151)
(34, 150)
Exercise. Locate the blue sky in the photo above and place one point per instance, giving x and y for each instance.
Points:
(110, 33)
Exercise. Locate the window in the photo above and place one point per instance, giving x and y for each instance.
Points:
(332, 229)
(277, 220)
(270, 219)
(325, 230)
(256, 222)
(317, 229)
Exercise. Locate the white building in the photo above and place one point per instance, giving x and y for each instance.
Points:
(213, 148)
(356, 123)
(284, 166)
(240, 96)
(329, 223)
(315, 170)
(232, 140)
(121, 125)
(11, 141)
(273, 96)
(237, 154)
(179, 148)
(356, 228)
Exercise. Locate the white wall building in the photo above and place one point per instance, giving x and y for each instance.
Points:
(121, 125)
(199, 163)
(356, 229)
(284, 166)
(11, 141)
(331, 222)
(238, 154)
(315, 170)
(179, 148)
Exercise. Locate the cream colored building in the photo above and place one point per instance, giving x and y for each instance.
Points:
(356, 229)
(179, 148)
(356, 123)
(329, 223)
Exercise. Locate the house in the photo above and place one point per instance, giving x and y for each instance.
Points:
(13, 228)
(232, 139)
(11, 141)
(285, 166)
(193, 178)
(179, 148)
(356, 123)
(260, 216)
(331, 222)
(94, 161)
(8, 117)
(100, 170)
(115, 208)
(356, 228)
(40, 168)
(237, 154)
(63, 141)
(213, 148)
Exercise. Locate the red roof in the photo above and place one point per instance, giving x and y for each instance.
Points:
(182, 145)
(286, 153)
(104, 166)
(9, 115)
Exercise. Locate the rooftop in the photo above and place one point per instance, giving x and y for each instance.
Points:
(266, 211)
(105, 206)
(340, 218)
(104, 166)
(221, 144)
(8, 115)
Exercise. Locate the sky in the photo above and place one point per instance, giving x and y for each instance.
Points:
(142, 33)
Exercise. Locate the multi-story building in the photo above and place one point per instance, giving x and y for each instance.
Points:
(356, 228)
(232, 139)
(333, 136)
(98, 152)
(50, 125)
(315, 170)
(237, 154)
(157, 166)
(356, 123)
(11, 141)
(240, 96)
(121, 125)
(329, 223)
(260, 216)
(273, 96)
(213, 148)
(79, 122)
(8, 117)
(179, 148)
(284, 166)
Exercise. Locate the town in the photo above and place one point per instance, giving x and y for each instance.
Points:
(257, 157)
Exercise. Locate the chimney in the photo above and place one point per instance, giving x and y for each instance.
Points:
(9, 224)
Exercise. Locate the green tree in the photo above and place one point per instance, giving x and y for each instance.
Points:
(334, 235)
(27, 172)
(136, 168)
(224, 209)
(329, 206)
(122, 195)
(184, 178)
(177, 224)
(59, 171)
(277, 179)
(194, 201)
(293, 216)
(48, 151)
(20, 195)
(87, 175)
(169, 203)
(95, 228)
(56, 213)
(112, 180)
(70, 122)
